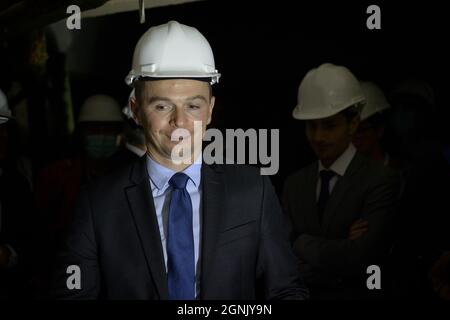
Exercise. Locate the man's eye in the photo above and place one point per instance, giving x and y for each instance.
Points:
(194, 107)
(161, 107)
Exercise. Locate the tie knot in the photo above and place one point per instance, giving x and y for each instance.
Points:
(179, 180)
(326, 175)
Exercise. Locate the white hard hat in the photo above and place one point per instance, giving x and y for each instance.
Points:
(375, 100)
(417, 88)
(173, 50)
(5, 113)
(326, 91)
(127, 109)
(100, 108)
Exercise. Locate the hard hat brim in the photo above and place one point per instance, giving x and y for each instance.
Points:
(4, 119)
(301, 115)
(379, 110)
(211, 78)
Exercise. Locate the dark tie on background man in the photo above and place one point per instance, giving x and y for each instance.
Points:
(325, 177)
(180, 242)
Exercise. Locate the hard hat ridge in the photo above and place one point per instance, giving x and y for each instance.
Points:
(326, 91)
(173, 50)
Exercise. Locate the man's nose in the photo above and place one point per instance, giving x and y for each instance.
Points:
(318, 136)
(178, 117)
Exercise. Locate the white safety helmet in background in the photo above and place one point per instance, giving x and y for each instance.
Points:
(375, 100)
(173, 50)
(127, 109)
(5, 113)
(100, 108)
(326, 91)
(415, 88)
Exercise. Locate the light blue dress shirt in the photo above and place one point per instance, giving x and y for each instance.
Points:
(161, 191)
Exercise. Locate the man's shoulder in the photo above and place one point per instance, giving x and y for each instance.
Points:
(236, 174)
(374, 169)
(238, 170)
(372, 174)
(115, 180)
(301, 174)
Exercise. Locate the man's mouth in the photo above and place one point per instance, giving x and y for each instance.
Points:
(178, 138)
(321, 147)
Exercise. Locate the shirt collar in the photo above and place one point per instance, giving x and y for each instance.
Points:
(341, 164)
(160, 175)
(137, 151)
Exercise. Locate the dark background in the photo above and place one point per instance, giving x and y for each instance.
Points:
(263, 51)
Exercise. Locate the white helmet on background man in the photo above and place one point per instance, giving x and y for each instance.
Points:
(5, 113)
(100, 108)
(415, 88)
(375, 100)
(326, 91)
(173, 50)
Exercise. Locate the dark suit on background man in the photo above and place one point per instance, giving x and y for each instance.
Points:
(122, 157)
(115, 239)
(334, 266)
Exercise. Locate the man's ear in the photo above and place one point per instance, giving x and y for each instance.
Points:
(135, 110)
(211, 107)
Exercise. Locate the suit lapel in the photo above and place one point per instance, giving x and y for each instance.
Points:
(342, 186)
(213, 202)
(143, 211)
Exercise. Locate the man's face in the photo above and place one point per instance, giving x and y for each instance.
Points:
(100, 138)
(367, 137)
(329, 137)
(168, 105)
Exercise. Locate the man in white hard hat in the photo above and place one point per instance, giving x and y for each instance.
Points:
(368, 137)
(5, 113)
(100, 121)
(8, 255)
(132, 145)
(342, 205)
(99, 125)
(15, 212)
(163, 229)
(57, 185)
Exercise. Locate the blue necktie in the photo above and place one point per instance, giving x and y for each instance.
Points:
(180, 242)
(325, 177)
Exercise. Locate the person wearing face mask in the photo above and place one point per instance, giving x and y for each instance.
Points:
(132, 145)
(100, 123)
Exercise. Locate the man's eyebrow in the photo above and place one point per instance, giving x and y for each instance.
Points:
(156, 98)
(165, 99)
(197, 97)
